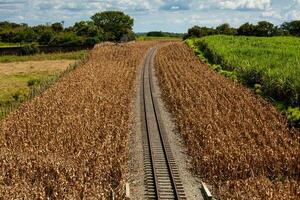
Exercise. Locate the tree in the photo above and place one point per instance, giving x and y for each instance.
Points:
(156, 34)
(292, 27)
(115, 23)
(41, 28)
(24, 35)
(46, 37)
(66, 39)
(57, 27)
(225, 29)
(246, 29)
(198, 31)
(264, 29)
(87, 28)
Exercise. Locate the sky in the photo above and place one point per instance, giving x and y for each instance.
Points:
(149, 15)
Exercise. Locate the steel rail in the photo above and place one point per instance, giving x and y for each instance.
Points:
(165, 175)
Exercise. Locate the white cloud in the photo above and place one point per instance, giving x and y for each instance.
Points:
(244, 4)
(293, 15)
(272, 14)
(172, 15)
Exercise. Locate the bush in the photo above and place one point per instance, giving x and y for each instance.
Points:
(29, 50)
(45, 37)
(66, 39)
(33, 82)
(293, 115)
(156, 34)
(18, 96)
(91, 41)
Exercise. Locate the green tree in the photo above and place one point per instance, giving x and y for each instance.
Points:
(57, 27)
(26, 35)
(292, 28)
(46, 37)
(264, 29)
(198, 31)
(156, 34)
(114, 23)
(225, 29)
(87, 28)
(66, 39)
(246, 29)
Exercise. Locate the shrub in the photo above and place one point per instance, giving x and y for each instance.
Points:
(91, 41)
(46, 37)
(29, 50)
(66, 39)
(257, 88)
(18, 96)
(33, 82)
(293, 115)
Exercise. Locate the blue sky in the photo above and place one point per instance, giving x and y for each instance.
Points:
(165, 15)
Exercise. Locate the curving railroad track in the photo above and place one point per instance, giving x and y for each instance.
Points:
(162, 180)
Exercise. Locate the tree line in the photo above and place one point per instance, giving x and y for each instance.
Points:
(105, 26)
(261, 29)
(163, 34)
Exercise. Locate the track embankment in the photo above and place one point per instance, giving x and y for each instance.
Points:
(72, 141)
(237, 141)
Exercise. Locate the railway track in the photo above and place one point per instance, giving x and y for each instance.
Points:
(162, 180)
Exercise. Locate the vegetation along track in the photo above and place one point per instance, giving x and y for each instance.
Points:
(162, 178)
(71, 142)
(236, 140)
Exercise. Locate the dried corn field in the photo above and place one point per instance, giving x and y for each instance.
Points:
(236, 140)
(72, 141)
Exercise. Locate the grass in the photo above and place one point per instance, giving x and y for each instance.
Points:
(20, 81)
(4, 44)
(15, 88)
(271, 66)
(76, 55)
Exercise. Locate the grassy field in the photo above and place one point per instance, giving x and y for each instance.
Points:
(22, 75)
(269, 65)
(76, 55)
(17, 82)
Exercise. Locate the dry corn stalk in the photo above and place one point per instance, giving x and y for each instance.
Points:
(72, 141)
(236, 140)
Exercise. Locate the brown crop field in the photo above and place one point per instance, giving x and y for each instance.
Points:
(237, 141)
(71, 142)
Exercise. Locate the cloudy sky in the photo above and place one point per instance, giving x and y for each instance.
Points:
(165, 15)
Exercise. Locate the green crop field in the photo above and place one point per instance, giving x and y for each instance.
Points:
(269, 65)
